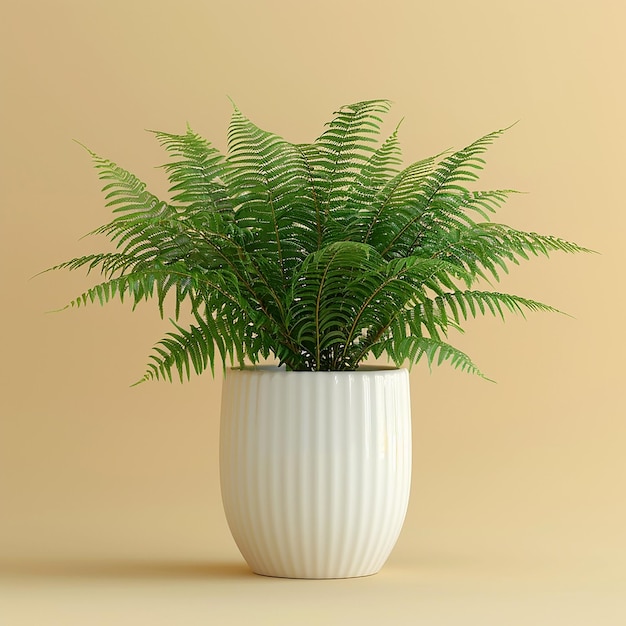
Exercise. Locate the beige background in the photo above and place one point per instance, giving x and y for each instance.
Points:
(110, 505)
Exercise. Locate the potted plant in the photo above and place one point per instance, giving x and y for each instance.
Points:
(318, 255)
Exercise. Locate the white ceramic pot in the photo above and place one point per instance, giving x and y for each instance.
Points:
(315, 468)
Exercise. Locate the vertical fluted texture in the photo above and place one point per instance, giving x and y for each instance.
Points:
(315, 468)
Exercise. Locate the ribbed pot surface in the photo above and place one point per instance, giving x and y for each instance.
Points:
(315, 468)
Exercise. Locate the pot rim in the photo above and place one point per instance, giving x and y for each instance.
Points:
(275, 369)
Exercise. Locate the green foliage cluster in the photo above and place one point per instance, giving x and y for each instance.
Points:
(318, 254)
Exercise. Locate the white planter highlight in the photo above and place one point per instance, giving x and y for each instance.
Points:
(315, 468)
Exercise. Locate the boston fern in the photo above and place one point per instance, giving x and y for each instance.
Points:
(317, 254)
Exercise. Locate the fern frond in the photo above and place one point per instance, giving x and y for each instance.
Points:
(439, 197)
(316, 184)
(486, 202)
(354, 219)
(387, 292)
(465, 304)
(492, 246)
(196, 178)
(412, 349)
(209, 287)
(391, 205)
(108, 263)
(269, 183)
(226, 330)
(147, 225)
(323, 300)
(137, 285)
(520, 242)
(183, 350)
(124, 192)
(345, 148)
